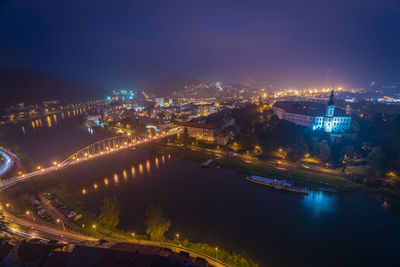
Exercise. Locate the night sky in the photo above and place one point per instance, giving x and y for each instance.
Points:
(129, 43)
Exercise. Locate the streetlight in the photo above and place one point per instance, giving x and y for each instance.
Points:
(177, 236)
(28, 212)
(133, 236)
(12, 208)
(95, 229)
(62, 223)
(216, 252)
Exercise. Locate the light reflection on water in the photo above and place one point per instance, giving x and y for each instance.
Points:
(146, 169)
(320, 202)
(50, 120)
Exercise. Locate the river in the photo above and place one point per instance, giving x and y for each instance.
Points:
(218, 206)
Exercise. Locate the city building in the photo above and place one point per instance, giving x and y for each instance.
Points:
(159, 101)
(317, 116)
(206, 109)
(201, 131)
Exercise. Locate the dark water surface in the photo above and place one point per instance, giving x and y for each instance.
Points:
(52, 138)
(219, 207)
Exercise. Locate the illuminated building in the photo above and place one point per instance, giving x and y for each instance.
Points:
(201, 131)
(159, 101)
(206, 109)
(318, 117)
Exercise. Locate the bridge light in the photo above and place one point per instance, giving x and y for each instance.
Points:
(38, 167)
(55, 162)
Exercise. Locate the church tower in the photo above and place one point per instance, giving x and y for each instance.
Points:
(331, 106)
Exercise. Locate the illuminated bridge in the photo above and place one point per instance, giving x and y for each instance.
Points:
(97, 149)
(106, 146)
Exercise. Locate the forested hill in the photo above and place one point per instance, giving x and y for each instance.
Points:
(22, 85)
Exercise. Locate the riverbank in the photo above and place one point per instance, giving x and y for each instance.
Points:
(22, 195)
(301, 177)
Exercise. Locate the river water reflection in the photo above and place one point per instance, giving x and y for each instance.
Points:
(218, 206)
(52, 138)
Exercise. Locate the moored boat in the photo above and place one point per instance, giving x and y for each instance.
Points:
(277, 184)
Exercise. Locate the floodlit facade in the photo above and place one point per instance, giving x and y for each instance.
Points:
(316, 116)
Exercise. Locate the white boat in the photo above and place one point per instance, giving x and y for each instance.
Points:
(277, 184)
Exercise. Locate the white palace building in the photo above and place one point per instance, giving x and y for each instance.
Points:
(317, 116)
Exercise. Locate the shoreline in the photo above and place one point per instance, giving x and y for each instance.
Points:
(21, 202)
(301, 176)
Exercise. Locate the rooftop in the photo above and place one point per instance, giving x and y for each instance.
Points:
(307, 108)
(199, 125)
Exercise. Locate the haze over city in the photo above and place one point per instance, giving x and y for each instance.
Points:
(129, 44)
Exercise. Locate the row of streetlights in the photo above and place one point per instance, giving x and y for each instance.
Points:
(95, 228)
(55, 163)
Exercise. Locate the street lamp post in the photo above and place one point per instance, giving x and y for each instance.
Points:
(133, 236)
(31, 213)
(12, 208)
(177, 236)
(216, 252)
(62, 223)
(95, 229)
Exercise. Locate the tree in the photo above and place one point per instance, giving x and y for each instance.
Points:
(185, 136)
(376, 159)
(314, 145)
(109, 216)
(348, 152)
(297, 152)
(324, 151)
(157, 223)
